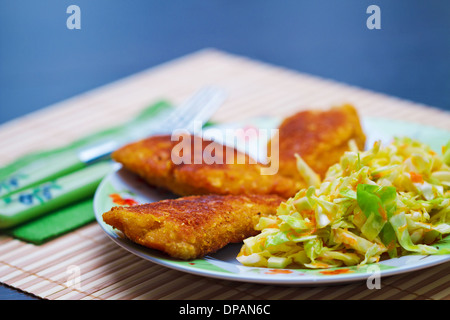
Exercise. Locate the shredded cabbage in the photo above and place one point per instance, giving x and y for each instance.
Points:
(384, 202)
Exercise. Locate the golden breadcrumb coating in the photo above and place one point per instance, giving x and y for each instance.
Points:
(320, 137)
(151, 159)
(192, 227)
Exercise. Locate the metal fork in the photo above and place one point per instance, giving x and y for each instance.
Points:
(194, 111)
(197, 110)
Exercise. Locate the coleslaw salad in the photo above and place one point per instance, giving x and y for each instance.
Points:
(381, 203)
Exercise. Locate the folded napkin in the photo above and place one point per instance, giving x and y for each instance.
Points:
(55, 223)
(64, 209)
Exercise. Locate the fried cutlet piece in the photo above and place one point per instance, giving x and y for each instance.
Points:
(192, 227)
(320, 137)
(234, 173)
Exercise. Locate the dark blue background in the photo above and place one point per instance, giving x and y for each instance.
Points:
(42, 62)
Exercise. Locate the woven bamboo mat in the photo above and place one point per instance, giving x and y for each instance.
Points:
(107, 271)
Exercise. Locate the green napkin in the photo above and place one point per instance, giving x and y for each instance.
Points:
(62, 204)
(56, 223)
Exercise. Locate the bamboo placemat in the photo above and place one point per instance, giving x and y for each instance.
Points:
(255, 88)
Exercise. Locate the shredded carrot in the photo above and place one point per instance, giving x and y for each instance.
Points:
(416, 177)
(382, 212)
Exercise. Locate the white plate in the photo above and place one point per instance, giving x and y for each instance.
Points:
(223, 264)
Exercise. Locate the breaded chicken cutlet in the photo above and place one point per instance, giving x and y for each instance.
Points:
(151, 159)
(320, 137)
(192, 227)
